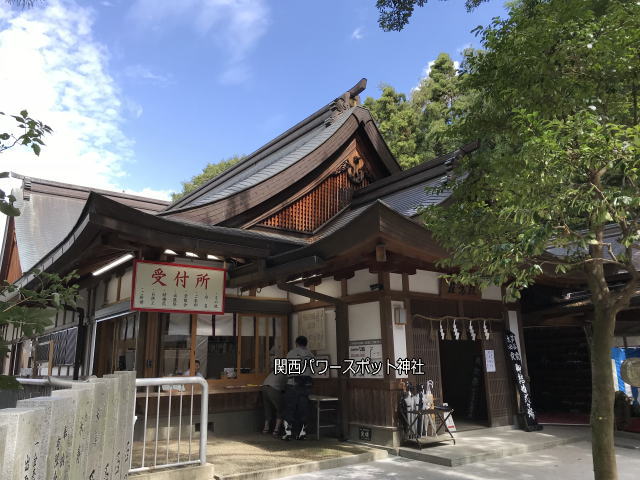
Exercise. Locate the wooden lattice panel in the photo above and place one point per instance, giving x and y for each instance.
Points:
(319, 205)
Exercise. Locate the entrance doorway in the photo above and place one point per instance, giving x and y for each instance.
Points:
(560, 371)
(463, 386)
(116, 344)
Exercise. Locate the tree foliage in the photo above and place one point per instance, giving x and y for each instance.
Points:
(395, 14)
(209, 172)
(30, 134)
(29, 310)
(418, 128)
(555, 186)
(25, 4)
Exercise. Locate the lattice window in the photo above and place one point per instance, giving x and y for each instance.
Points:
(323, 202)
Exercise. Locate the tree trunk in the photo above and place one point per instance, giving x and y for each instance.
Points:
(602, 417)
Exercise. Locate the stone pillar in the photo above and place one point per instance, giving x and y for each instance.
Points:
(95, 465)
(56, 433)
(111, 428)
(125, 419)
(83, 400)
(24, 452)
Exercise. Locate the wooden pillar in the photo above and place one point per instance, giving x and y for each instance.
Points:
(151, 346)
(342, 335)
(192, 352)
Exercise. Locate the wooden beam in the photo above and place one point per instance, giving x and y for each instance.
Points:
(273, 274)
(309, 293)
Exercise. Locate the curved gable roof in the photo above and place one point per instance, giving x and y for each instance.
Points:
(283, 152)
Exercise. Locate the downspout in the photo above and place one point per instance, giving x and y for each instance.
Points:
(342, 336)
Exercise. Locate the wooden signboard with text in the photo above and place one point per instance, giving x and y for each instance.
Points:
(451, 289)
(173, 287)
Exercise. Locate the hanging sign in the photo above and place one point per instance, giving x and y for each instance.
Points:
(451, 289)
(513, 358)
(173, 287)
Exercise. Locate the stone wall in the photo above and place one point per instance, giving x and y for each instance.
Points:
(80, 433)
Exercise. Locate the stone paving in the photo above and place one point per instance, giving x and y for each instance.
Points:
(566, 462)
(249, 453)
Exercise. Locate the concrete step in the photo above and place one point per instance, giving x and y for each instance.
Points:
(307, 467)
(488, 444)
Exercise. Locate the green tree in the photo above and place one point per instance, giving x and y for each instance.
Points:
(30, 133)
(24, 4)
(440, 101)
(29, 309)
(418, 128)
(395, 14)
(398, 121)
(212, 170)
(556, 111)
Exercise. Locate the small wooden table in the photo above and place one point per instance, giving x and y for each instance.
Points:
(319, 400)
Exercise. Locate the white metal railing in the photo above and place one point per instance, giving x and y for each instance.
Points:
(173, 389)
(166, 387)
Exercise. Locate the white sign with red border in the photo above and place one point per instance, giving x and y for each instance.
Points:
(173, 287)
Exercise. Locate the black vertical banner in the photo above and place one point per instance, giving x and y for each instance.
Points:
(529, 420)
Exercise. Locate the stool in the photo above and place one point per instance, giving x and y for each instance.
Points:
(319, 400)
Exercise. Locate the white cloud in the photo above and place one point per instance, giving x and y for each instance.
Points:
(54, 68)
(427, 70)
(357, 34)
(235, 26)
(151, 193)
(144, 73)
(462, 48)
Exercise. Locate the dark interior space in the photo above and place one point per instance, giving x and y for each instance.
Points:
(463, 380)
(559, 368)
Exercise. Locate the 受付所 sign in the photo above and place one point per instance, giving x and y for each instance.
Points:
(172, 287)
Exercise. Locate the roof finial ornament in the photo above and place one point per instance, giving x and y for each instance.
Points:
(344, 102)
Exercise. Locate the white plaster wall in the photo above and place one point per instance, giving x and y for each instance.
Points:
(125, 285)
(83, 296)
(360, 282)
(293, 329)
(271, 291)
(331, 346)
(112, 290)
(395, 281)
(330, 287)
(232, 291)
(100, 295)
(297, 299)
(492, 292)
(399, 340)
(424, 281)
(364, 321)
(332, 343)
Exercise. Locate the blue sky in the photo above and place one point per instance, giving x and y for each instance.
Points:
(141, 94)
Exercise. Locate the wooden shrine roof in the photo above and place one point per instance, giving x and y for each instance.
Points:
(49, 210)
(283, 152)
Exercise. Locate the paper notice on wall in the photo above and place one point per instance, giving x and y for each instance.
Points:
(365, 359)
(490, 360)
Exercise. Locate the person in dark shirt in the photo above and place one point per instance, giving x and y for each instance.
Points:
(298, 387)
